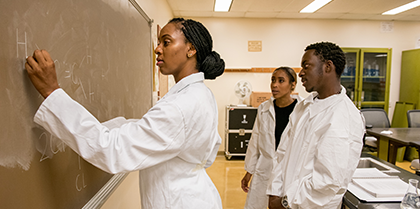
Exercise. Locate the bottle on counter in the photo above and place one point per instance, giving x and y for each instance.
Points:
(411, 198)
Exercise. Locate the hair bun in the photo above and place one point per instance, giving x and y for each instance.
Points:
(212, 66)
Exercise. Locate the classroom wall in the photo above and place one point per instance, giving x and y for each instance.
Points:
(127, 194)
(283, 42)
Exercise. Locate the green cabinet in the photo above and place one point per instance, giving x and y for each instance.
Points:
(409, 87)
(410, 77)
(366, 76)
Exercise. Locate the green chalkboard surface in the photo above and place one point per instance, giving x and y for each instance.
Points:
(103, 56)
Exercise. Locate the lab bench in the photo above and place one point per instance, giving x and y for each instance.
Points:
(352, 202)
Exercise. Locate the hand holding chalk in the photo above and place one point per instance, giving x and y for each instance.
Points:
(42, 72)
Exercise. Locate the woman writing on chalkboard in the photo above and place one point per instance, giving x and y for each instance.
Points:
(174, 141)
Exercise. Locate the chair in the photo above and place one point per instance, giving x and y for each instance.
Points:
(413, 117)
(375, 118)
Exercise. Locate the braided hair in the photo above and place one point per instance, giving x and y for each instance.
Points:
(330, 51)
(208, 61)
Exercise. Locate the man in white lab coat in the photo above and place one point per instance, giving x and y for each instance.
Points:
(320, 148)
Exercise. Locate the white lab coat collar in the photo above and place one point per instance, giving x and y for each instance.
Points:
(269, 106)
(326, 103)
(186, 81)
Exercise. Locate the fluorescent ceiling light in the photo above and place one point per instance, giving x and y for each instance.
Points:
(403, 8)
(315, 5)
(222, 5)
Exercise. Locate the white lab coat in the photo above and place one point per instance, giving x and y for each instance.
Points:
(318, 152)
(170, 146)
(260, 154)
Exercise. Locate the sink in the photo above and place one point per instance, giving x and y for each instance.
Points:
(367, 162)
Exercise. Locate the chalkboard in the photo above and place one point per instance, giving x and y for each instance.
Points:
(103, 56)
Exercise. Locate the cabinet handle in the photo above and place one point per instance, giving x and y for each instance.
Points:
(241, 132)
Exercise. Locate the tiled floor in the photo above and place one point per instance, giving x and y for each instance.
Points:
(405, 165)
(227, 176)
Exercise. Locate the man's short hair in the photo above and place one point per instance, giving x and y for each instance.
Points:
(330, 51)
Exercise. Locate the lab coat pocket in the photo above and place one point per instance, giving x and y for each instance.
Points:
(264, 169)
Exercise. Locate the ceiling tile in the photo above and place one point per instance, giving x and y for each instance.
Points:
(410, 18)
(341, 6)
(261, 14)
(173, 4)
(324, 15)
(296, 5)
(354, 16)
(383, 17)
(292, 15)
(337, 9)
(228, 14)
(194, 5)
(379, 6)
(268, 5)
(414, 11)
(196, 13)
(241, 5)
(177, 13)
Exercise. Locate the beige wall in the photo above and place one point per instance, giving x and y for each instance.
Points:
(283, 41)
(126, 195)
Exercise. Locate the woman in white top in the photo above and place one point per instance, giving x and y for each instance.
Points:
(272, 118)
(171, 145)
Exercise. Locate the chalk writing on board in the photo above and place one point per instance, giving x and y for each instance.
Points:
(105, 47)
(16, 146)
(83, 89)
(88, 57)
(70, 72)
(48, 145)
(80, 178)
(91, 93)
(24, 43)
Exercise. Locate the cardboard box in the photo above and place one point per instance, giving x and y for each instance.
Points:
(257, 98)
